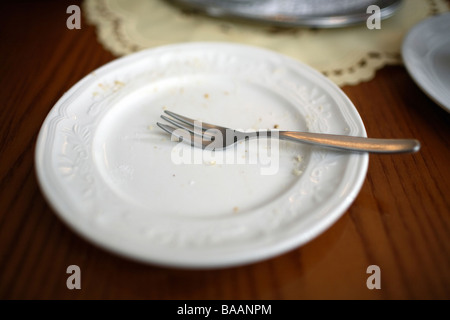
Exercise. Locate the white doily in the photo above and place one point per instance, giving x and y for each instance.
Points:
(347, 56)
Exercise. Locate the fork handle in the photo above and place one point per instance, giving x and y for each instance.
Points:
(358, 144)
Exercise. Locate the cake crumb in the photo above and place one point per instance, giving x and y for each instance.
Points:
(235, 209)
(276, 126)
(297, 165)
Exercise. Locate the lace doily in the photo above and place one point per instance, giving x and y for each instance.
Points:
(347, 56)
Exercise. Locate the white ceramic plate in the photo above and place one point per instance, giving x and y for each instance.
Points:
(113, 176)
(426, 54)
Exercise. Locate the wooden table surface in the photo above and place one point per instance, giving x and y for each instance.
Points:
(400, 220)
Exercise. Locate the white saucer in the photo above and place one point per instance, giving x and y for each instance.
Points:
(113, 177)
(426, 54)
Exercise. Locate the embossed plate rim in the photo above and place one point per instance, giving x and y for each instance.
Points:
(267, 242)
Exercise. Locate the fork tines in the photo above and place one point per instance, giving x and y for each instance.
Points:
(187, 129)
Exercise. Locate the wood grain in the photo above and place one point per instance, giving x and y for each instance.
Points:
(400, 221)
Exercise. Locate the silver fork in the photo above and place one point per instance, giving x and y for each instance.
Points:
(214, 137)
